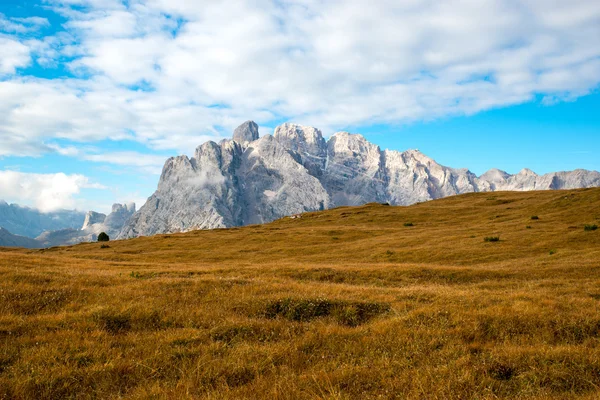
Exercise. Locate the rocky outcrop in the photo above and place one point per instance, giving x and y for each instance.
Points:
(93, 217)
(245, 133)
(253, 179)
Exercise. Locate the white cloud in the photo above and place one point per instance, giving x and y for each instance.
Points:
(13, 55)
(173, 73)
(47, 192)
(146, 162)
(21, 25)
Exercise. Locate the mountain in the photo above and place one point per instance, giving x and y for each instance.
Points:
(7, 239)
(93, 224)
(252, 179)
(25, 221)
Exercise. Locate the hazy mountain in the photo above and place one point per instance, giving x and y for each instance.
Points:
(25, 221)
(93, 224)
(253, 179)
(7, 239)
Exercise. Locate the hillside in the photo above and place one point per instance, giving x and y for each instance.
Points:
(361, 302)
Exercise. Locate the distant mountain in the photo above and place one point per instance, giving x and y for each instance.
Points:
(7, 239)
(253, 179)
(25, 221)
(92, 224)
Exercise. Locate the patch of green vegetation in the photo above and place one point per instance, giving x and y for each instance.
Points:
(535, 217)
(409, 224)
(347, 313)
(590, 227)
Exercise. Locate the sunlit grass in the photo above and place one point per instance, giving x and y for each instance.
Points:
(347, 303)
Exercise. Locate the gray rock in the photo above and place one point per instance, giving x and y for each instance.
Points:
(251, 180)
(247, 132)
(93, 217)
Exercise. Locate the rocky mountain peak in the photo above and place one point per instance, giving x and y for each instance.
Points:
(246, 132)
(526, 172)
(345, 142)
(123, 208)
(306, 140)
(251, 180)
(495, 175)
(93, 217)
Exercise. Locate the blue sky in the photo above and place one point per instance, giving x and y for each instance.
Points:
(96, 94)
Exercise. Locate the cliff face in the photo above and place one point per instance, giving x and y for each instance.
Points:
(253, 179)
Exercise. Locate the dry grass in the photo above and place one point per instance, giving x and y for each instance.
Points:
(343, 304)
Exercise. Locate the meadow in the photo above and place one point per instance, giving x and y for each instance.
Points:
(478, 296)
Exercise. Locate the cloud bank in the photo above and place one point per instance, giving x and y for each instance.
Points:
(173, 73)
(46, 192)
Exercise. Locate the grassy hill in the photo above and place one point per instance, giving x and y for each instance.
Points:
(356, 302)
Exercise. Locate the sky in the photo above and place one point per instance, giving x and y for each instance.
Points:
(96, 94)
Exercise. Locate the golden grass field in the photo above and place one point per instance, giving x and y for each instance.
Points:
(343, 304)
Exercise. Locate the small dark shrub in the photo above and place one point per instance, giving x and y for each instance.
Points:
(501, 372)
(528, 227)
(590, 227)
(552, 252)
(534, 217)
(409, 224)
(491, 239)
(239, 376)
(114, 323)
(105, 246)
(103, 237)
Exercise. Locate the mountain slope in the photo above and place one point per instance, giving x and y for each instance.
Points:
(252, 179)
(7, 239)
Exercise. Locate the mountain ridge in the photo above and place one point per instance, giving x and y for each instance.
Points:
(30, 222)
(255, 179)
(93, 224)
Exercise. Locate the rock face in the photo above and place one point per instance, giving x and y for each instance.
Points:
(247, 132)
(251, 180)
(91, 218)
